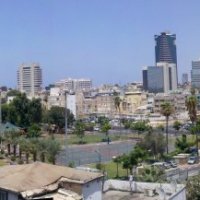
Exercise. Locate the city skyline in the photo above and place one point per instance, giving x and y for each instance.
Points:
(109, 42)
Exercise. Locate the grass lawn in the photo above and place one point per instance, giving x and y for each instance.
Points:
(111, 169)
(89, 138)
(3, 162)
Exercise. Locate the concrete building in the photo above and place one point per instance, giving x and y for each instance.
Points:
(169, 76)
(176, 100)
(56, 98)
(195, 74)
(74, 84)
(29, 79)
(165, 48)
(160, 78)
(155, 79)
(132, 101)
(145, 78)
(71, 104)
(40, 181)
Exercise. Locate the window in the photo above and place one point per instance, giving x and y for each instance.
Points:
(3, 195)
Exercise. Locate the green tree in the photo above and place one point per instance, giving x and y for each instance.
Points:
(11, 138)
(80, 130)
(20, 105)
(12, 93)
(191, 105)
(177, 125)
(34, 147)
(105, 128)
(136, 156)
(192, 188)
(182, 144)
(126, 163)
(56, 115)
(22, 111)
(166, 110)
(43, 149)
(53, 149)
(140, 126)
(25, 146)
(154, 142)
(5, 112)
(117, 160)
(117, 102)
(35, 111)
(34, 131)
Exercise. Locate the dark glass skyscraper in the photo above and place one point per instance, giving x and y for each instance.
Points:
(165, 49)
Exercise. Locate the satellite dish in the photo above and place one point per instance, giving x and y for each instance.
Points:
(173, 184)
(161, 193)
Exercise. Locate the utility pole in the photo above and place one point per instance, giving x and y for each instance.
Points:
(0, 112)
(65, 93)
(0, 122)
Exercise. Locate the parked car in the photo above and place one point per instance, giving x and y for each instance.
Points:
(159, 165)
(167, 165)
(96, 128)
(192, 160)
(172, 163)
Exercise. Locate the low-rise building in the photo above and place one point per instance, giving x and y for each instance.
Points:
(39, 180)
(176, 100)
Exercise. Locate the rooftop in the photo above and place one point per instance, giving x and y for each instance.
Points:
(20, 178)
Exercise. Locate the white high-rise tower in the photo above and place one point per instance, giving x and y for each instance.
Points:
(29, 79)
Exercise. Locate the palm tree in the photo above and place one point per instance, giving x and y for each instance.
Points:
(42, 148)
(25, 146)
(191, 105)
(34, 143)
(166, 110)
(117, 102)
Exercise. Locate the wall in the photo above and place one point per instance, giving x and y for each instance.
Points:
(93, 190)
(75, 187)
(179, 194)
(12, 196)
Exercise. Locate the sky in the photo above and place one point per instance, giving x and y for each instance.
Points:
(109, 41)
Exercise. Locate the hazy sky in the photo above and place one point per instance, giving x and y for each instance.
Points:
(108, 41)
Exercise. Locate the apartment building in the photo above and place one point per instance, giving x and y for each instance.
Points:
(74, 84)
(176, 100)
(29, 79)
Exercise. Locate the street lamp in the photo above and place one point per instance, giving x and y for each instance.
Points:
(99, 155)
(116, 160)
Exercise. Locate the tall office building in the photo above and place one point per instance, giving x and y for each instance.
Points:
(155, 80)
(160, 78)
(145, 78)
(184, 78)
(195, 74)
(169, 76)
(165, 48)
(29, 79)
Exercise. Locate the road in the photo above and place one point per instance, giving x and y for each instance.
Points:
(94, 153)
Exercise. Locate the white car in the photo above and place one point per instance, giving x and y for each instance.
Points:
(192, 160)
